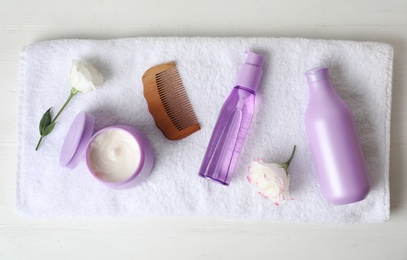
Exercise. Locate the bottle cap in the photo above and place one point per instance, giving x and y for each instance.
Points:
(317, 74)
(254, 59)
(251, 71)
(76, 140)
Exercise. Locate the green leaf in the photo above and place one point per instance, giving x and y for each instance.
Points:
(45, 121)
(48, 129)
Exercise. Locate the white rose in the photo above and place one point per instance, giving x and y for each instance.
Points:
(271, 180)
(84, 76)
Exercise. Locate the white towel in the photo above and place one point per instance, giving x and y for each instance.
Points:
(361, 73)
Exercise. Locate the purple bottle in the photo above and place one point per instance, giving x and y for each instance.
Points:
(334, 142)
(233, 123)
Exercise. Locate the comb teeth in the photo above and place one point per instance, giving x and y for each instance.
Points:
(168, 101)
(175, 99)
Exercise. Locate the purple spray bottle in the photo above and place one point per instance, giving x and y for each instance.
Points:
(233, 123)
(334, 142)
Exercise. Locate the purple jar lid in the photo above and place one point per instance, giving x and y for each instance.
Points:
(76, 140)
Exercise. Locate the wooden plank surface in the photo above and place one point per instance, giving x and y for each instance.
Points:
(25, 22)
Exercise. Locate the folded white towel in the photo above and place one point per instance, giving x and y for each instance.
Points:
(361, 73)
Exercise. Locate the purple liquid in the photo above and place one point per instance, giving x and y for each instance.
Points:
(229, 136)
(233, 123)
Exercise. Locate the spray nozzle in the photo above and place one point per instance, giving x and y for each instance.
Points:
(254, 59)
(251, 71)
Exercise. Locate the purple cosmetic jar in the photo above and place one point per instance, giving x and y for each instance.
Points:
(80, 142)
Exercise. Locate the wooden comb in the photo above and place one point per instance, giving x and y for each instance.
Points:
(168, 101)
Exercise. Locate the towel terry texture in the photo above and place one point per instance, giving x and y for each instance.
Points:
(361, 73)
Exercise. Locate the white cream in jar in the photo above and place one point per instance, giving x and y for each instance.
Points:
(119, 156)
(114, 155)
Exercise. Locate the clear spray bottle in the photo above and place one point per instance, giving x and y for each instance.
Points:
(233, 123)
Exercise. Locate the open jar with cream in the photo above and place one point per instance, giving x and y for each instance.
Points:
(119, 156)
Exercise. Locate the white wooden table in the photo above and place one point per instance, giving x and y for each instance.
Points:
(25, 22)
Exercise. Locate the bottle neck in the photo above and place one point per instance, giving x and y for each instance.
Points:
(321, 89)
(249, 76)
